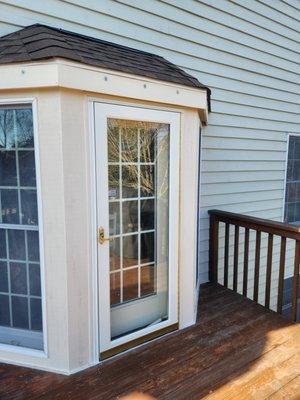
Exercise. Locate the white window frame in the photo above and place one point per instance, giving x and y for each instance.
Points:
(9, 347)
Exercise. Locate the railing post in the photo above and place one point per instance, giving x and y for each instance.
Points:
(295, 286)
(213, 248)
(236, 257)
(281, 275)
(257, 265)
(246, 262)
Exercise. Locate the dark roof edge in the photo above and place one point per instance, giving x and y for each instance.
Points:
(193, 81)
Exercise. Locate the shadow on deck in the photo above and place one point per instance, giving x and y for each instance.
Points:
(237, 350)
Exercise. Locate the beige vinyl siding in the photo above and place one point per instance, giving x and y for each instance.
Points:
(246, 51)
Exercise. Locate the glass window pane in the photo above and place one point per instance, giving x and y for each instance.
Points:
(7, 129)
(147, 214)
(4, 310)
(147, 280)
(9, 206)
(290, 212)
(114, 254)
(130, 216)
(130, 284)
(29, 207)
(130, 251)
(147, 180)
(147, 247)
(113, 182)
(129, 143)
(296, 170)
(34, 280)
(36, 314)
(292, 197)
(115, 296)
(3, 243)
(114, 218)
(147, 145)
(129, 181)
(3, 277)
(27, 168)
(18, 278)
(20, 312)
(8, 170)
(33, 246)
(16, 244)
(24, 128)
(113, 142)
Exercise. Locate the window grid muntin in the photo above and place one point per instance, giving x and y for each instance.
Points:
(121, 235)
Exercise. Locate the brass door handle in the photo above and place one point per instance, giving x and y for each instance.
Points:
(101, 236)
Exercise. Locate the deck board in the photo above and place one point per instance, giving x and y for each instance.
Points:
(237, 349)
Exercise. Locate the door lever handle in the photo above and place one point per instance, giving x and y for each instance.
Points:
(101, 236)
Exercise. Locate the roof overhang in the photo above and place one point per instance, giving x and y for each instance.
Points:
(72, 75)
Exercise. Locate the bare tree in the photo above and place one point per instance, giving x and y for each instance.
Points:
(154, 146)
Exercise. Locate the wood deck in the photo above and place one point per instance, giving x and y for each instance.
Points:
(237, 350)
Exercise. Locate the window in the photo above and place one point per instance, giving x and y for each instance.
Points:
(292, 197)
(20, 283)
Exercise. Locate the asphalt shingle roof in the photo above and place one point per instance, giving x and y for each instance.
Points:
(41, 42)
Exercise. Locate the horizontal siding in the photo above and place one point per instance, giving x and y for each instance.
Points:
(247, 51)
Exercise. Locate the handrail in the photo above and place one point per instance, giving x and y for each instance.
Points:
(265, 225)
(259, 225)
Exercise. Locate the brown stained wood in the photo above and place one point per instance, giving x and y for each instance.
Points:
(269, 270)
(281, 275)
(235, 341)
(289, 391)
(226, 254)
(295, 285)
(265, 225)
(213, 249)
(257, 265)
(246, 262)
(236, 257)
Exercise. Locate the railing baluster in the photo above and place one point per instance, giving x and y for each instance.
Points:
(226, 254)
(257, 265)
(281, 274)
(214, 249)
(260, 226)
(236, 257)
(246, 262)
(269, 270)
(295, 286)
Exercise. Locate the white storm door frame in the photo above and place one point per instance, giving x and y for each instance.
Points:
(103, 111)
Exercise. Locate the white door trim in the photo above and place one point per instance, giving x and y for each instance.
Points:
(138, 113)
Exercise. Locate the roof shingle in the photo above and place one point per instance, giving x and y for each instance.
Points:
(40, 42)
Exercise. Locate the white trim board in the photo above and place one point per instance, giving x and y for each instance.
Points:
(72, 75)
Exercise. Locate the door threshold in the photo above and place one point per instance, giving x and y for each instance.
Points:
(136, 342)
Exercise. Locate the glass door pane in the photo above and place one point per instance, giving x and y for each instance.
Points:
(138, 196)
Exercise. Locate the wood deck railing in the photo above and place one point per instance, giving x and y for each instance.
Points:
(259, 225)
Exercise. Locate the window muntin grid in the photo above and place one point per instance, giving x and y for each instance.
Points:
(132, 157)
(292, 193)
(20, 283)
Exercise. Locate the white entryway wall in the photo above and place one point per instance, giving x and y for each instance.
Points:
(66, 170)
